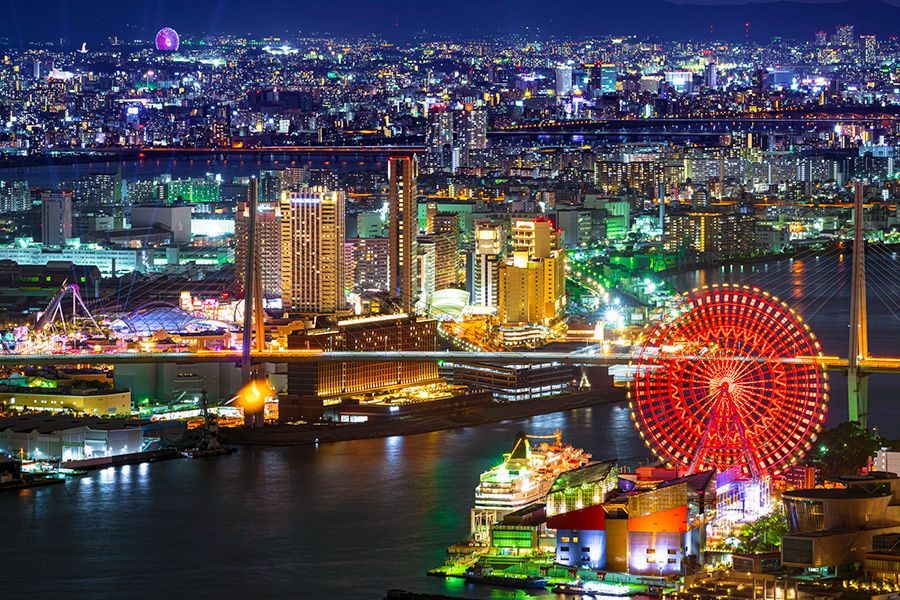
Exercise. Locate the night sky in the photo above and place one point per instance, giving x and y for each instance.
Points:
(22, 21)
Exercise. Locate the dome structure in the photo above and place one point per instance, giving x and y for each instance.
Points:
(155, 317)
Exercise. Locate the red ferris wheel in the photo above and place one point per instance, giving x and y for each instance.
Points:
(725, 379)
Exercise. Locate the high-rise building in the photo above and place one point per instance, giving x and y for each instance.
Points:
(268, 246)
(366, 267)
(490, 243)
(531, 291)
(608, 75)
(426, 267)
(453, 133)
(14, 196)
(98, 189)
(711, 76)
(312, 251)
(404, 228)
(869, 48)
(563, 80)
(710, 233)
(843, 35)
(56, 218)
(821, 38)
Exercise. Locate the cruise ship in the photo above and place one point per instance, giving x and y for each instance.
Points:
(524, 477)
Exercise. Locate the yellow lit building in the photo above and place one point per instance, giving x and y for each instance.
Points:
(710, 233)
(97, 403)
(531, 291)
(312, 251)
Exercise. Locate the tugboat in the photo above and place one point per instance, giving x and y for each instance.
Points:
(488, 577)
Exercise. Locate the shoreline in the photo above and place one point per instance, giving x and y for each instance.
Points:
(432, 420)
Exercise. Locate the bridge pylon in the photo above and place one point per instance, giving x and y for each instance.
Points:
(253, 315)
(857, 379)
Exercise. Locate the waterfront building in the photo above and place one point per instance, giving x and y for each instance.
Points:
(63, 437)
(311, 386)
(89, 401)
(649, 524)
(268, 246)
(514, 383)
(312, 251)
(832, 528)
(404, 227)
(56, 218)
(710, 233)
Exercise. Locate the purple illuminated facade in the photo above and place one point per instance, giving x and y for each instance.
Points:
(167, 39)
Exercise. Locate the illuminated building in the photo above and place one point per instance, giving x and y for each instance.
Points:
(366, 265)
(268, 245)
(99, 189)
(710, 233)
(833, 528)
(843, 35)
(59, 399)
(563, 81)
(195, 189)
(111, 262)
(531, 291)
(682, 81)
(513, 383)
(490, 243)
(314, 385)
(14, 196)
(648, 524)
(453, 133)
(869, 48)
(404, 227)
(56, 218)
(67, 438)
(426, 267)
(446, 259)
(608, 74)
(312, 251)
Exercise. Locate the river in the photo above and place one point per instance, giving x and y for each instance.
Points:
(350, 519)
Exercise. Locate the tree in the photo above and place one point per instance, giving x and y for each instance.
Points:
(763, 534)
(845, 449)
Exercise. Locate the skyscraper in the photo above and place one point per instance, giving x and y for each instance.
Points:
(268, 245)
(869, 48)
(404, 225)
(563, 80)
(489, 246)
(312, 251)
(608, 74)
(56, 218)
(843, 35)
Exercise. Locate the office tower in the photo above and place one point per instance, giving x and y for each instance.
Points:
(14, 196)
(426, 259)
(711, 76)
(404, 228)
(294, 178)
(531, 294)
(490, 243)
(608, 74)
(56, 218)
(869, 48)
(36, 66)
(366, 266)
(843, 35)
(563, 80)
(268, 245)
(312, 251)
(269, 186)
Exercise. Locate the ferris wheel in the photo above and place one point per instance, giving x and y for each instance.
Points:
(729, 378)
